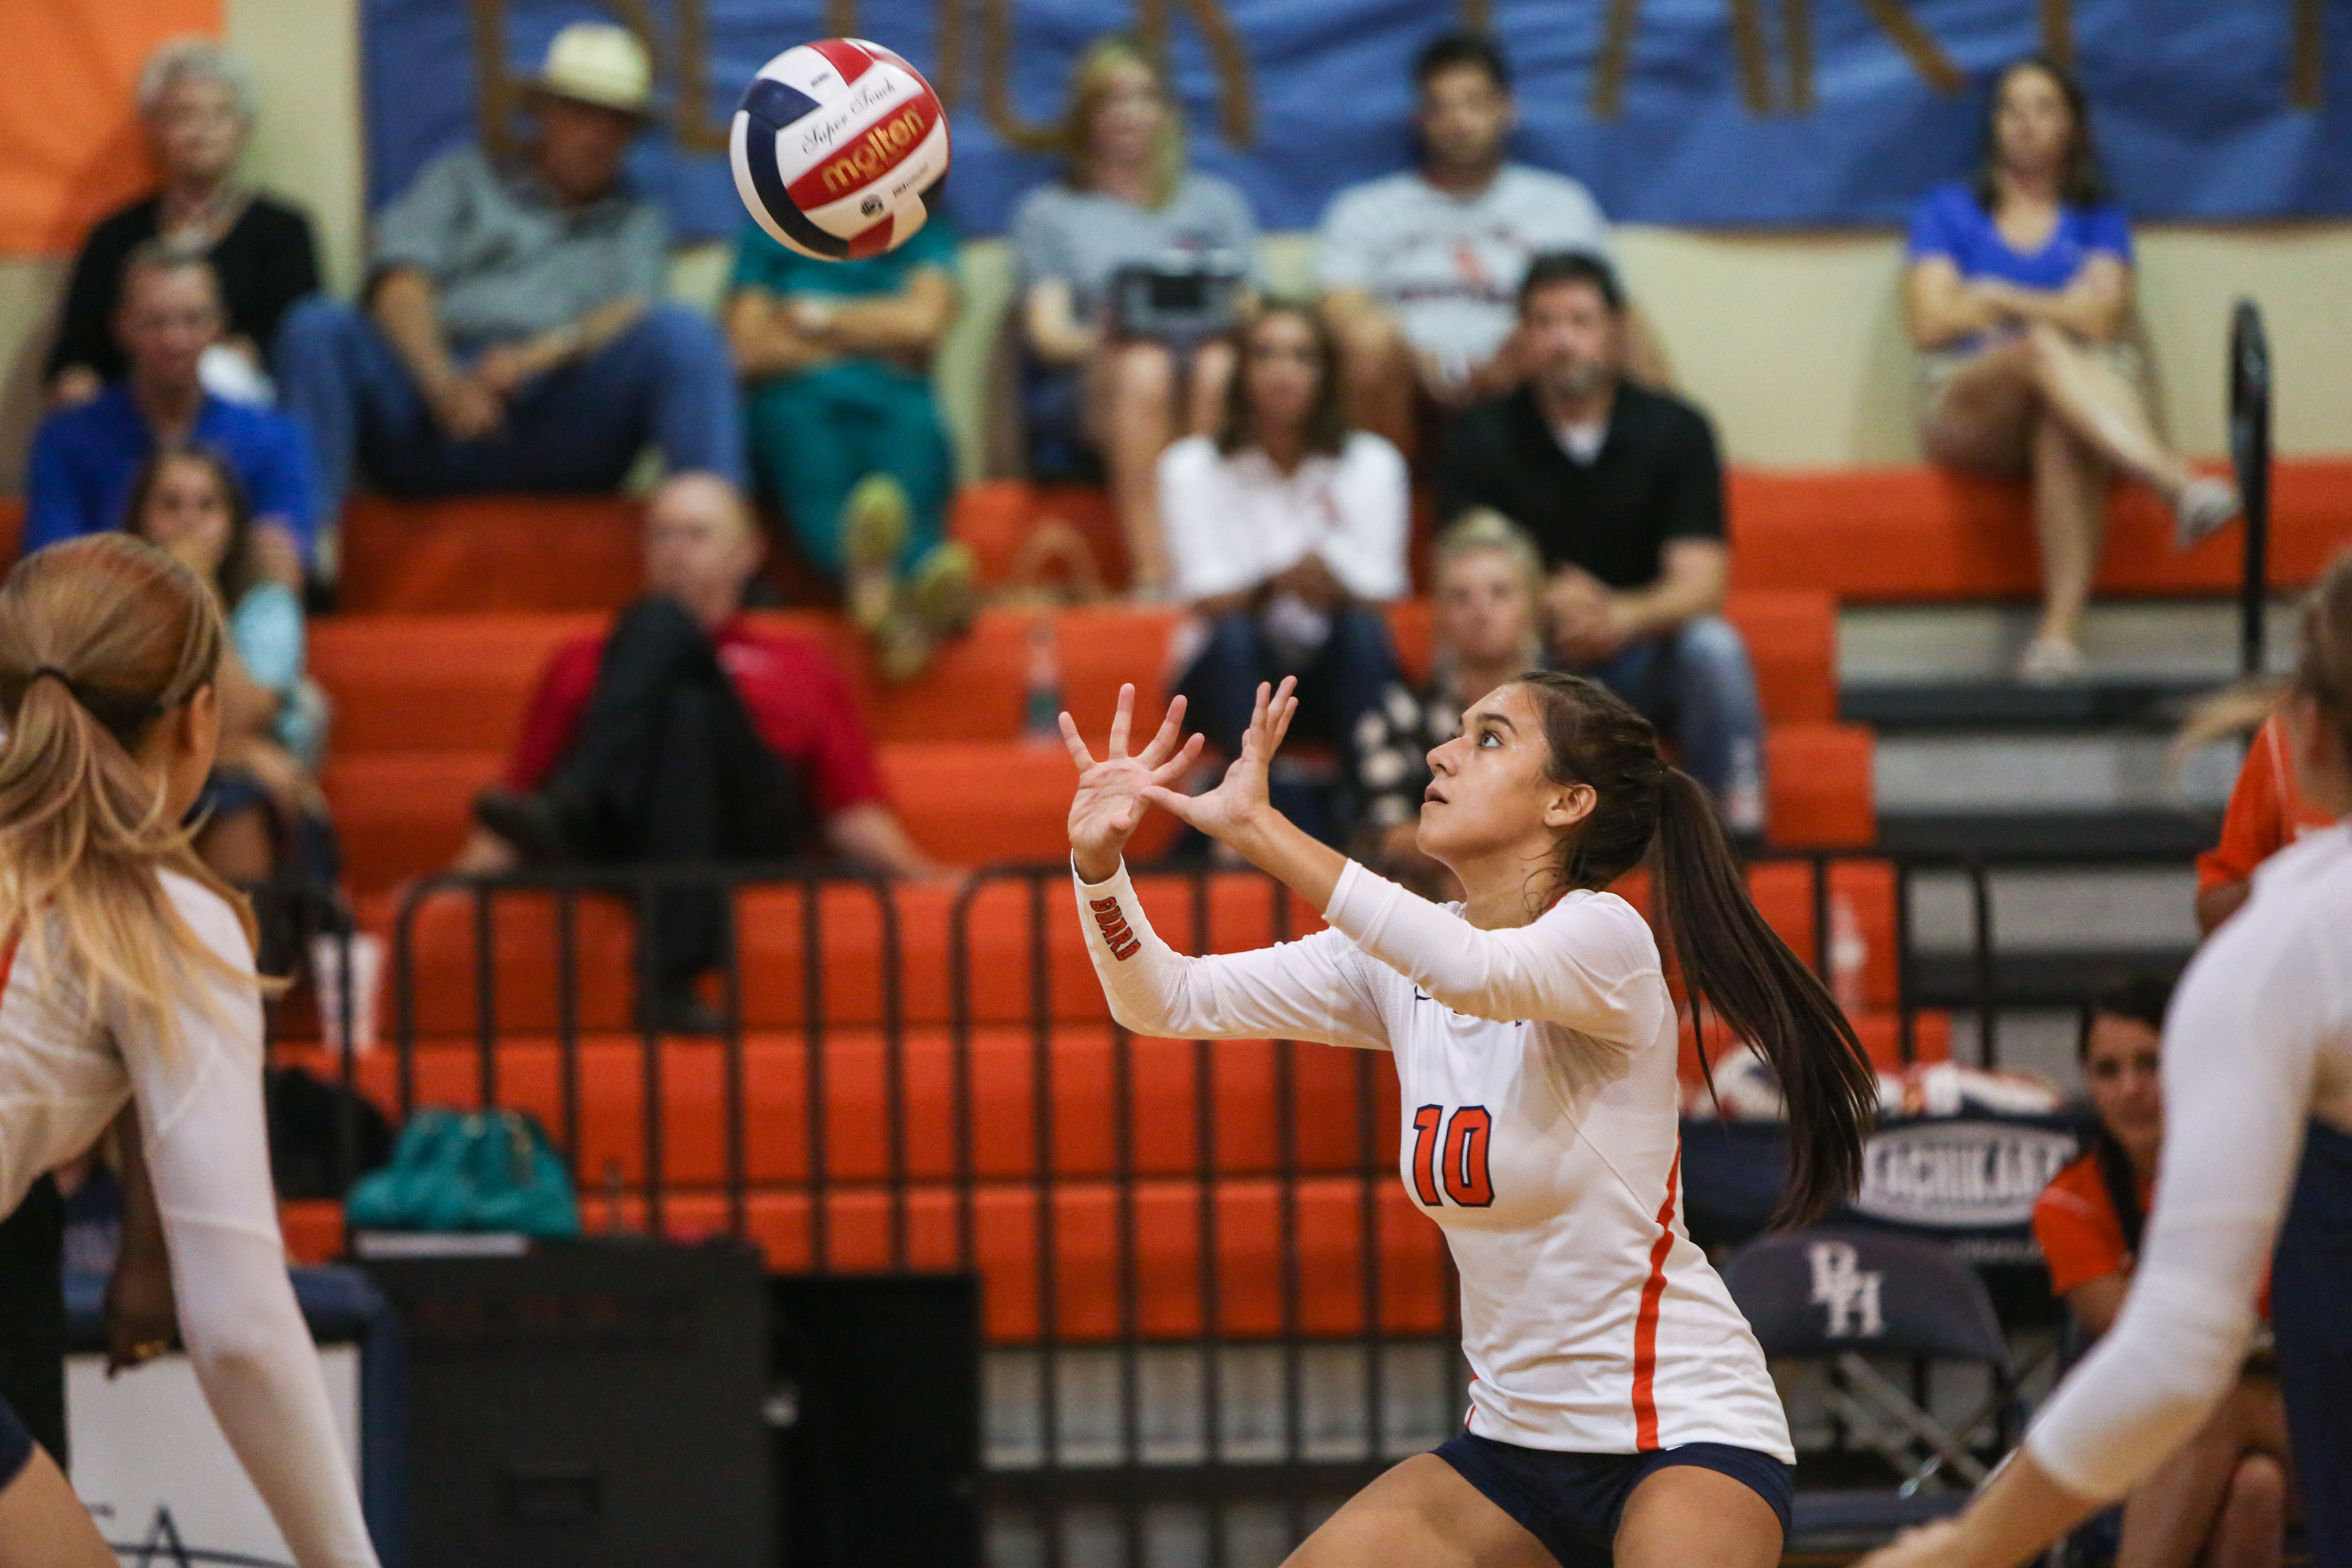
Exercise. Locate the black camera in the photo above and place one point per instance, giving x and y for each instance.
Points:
(1181, 299)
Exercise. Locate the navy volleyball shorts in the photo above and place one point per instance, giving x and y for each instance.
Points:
(1572, 1502)
(15, 1447)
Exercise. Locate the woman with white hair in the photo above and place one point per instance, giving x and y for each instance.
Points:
(197, 106)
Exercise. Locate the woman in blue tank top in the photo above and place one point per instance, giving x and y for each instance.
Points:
(2019, 298)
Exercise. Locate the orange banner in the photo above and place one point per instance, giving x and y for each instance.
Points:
(71, 148)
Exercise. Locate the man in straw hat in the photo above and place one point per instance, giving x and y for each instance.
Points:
(512, 336)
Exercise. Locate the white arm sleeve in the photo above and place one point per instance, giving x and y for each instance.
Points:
(1300, 990)
(200, 1109)
(1590, 965)
(2239, 1052)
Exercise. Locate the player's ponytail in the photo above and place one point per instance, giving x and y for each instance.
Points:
(101, 638)
(1730, 960)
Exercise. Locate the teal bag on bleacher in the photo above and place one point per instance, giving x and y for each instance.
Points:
(468, 1170)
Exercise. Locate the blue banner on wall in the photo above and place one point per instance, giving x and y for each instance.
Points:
(1706, 113)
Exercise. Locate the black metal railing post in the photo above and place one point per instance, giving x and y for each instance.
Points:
(2250, 453)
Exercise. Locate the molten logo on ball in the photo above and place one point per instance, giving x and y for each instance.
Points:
(838, 149)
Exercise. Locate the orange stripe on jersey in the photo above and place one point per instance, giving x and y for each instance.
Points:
(1645, 1323)
(7, 963)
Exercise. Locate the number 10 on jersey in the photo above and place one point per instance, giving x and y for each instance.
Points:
(1461, 1169)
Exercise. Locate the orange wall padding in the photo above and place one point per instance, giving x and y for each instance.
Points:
(71, 146)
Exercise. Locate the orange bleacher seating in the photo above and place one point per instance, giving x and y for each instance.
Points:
(1919, 533)
(490, 552)
(426, 706)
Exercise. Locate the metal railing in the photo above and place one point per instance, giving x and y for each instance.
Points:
(1018, 989)
(2249, 454)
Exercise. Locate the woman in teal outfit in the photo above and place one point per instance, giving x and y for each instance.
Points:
(845, 433)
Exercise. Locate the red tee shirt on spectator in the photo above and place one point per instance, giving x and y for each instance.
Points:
(799, 700)
(2266, 813)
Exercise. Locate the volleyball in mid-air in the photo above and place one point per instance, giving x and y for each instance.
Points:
(839, 148)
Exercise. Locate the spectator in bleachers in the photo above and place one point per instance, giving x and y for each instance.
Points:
(85, 458)
(2267, 812)
(1286, 531)
(845, 433)
(1421, 270)
(2019, 295)
(1622, 489)
(198, 108)
(264, 814)
(687, 735)
(1488, 597)
(2222, 1497)
(515, 336)
(1127, 198)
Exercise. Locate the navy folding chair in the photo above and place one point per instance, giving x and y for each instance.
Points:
(1839, 1297)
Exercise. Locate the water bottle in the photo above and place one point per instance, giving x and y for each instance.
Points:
(1041, 698)
(1848, 957)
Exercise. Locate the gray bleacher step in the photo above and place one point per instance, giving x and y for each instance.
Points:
(2010, 771)
(2163, 640)
(2048, 909)
(2123, 836)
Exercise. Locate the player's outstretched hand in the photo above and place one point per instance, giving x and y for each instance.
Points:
(1237, 801)
(1111, 794)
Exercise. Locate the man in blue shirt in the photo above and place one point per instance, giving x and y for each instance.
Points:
(85, 458)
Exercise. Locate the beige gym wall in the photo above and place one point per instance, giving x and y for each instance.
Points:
(1792, 341)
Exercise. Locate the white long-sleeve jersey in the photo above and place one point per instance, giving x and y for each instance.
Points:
(1539, 1129)
(66, 1068)
(2258, 1042)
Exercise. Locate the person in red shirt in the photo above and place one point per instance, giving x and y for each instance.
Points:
(2267, 813)
(685, 735)
(2221, 1499)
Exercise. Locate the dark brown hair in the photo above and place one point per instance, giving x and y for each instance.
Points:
(2080, 183)
(1326, 417)
(1729, 958)
(236, 573)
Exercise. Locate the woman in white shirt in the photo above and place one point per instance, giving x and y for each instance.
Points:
(126, 973)
(1622, 1416)
(1285, 531)
(2257, 1149)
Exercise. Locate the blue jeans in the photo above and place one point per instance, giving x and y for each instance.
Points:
(1696, 683)
(1344, 680)
(666, 380)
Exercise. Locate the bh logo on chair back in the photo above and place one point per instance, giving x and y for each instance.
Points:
(1849, 1291)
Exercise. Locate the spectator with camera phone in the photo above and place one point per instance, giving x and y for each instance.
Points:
(1099, 387)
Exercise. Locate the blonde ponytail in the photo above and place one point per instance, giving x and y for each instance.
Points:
(100, 637)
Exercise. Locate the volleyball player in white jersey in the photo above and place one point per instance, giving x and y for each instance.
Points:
(126, 973)
(1621, 1410)
(2257, 1149)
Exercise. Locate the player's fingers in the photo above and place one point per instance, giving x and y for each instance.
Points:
(1120, 720)
(1174, 803)
(1171, 734)
(1175, 767)
(1077, 747)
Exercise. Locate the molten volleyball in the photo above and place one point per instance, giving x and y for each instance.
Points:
(839, 148)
